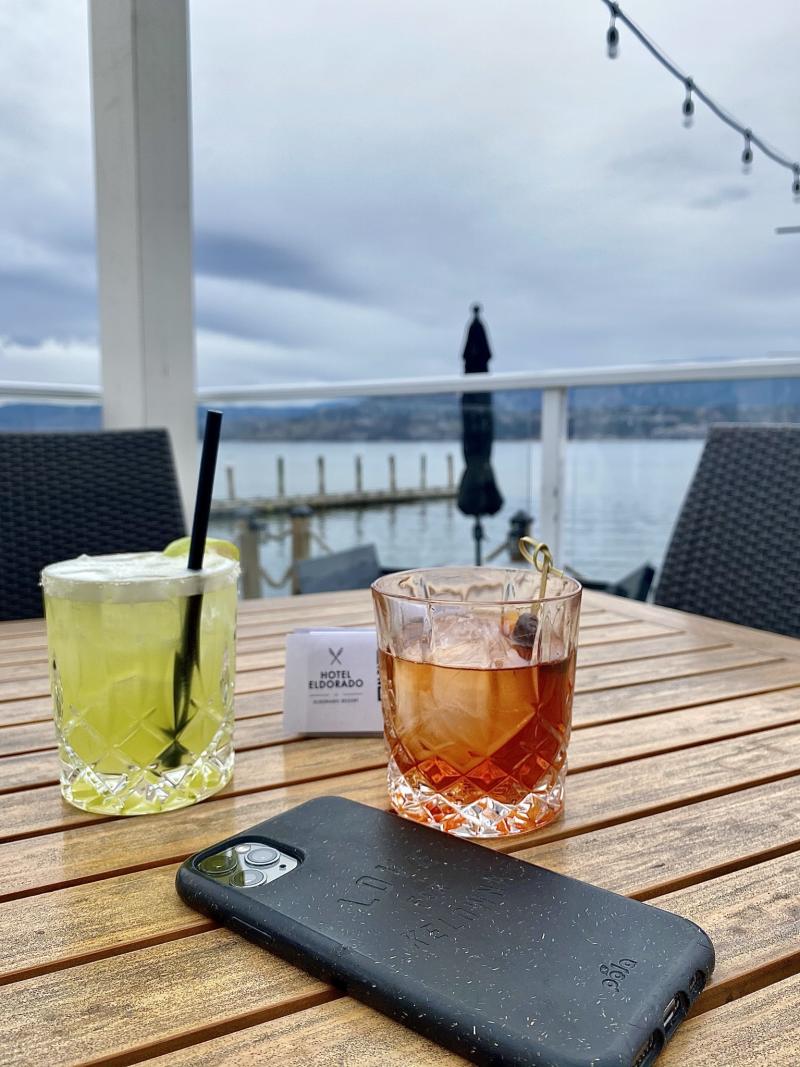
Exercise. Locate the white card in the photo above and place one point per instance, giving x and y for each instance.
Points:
(332, 684)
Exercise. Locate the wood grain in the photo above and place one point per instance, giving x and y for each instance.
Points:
(627, 651)
(599, 647)
(647, 672)
(43, 810)
(626, 631)
(685, 791)
(667, 851)
(763, 1030)
(662, 861)
(595, 799)
(30, 681)
(591, 709)
(616, 742)
(333, 1025)
(262, 726)
(107, 848)
(149, 997)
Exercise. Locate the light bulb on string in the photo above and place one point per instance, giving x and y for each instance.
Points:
(796, 181)
(688, 105)
(612, 36)
(747, 153)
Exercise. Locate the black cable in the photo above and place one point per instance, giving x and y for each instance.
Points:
(693, 89)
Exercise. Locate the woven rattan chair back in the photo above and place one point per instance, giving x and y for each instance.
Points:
(65, 494)
(735, 550)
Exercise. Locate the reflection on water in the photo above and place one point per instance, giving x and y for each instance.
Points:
(621, 499)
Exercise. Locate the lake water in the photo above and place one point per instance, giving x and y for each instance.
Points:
(622, 499)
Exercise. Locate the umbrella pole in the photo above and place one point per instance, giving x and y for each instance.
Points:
(477, 534)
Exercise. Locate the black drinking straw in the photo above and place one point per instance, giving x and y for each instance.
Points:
(186, 657)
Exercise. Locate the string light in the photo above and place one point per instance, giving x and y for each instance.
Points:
(747, 153)
(693, 90)
(612, 37)
(688, 105)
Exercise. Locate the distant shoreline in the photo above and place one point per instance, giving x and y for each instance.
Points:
(611, 417)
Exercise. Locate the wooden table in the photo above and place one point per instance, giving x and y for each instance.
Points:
(684, 790)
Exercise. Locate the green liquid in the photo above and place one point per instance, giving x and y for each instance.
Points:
(125, 747)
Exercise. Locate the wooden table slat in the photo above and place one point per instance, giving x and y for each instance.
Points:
(684, 790)
(596, 798)
(122, 1005)
(604, 857)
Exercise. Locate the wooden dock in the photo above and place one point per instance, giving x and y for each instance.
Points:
(376, 498)
(357, 497)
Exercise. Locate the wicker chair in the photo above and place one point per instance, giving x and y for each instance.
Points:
(735, 550)
(63, 494)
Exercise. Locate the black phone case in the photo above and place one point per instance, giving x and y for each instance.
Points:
(501, 961)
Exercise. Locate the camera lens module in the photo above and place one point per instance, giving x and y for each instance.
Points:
(220, 864)
(263, 856)
(248, 879)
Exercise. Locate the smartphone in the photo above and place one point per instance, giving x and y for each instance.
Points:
(500, 961)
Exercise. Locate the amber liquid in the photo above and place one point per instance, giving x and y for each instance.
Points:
(465, 738)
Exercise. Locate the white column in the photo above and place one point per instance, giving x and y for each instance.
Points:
(554, 445)
(142, 140)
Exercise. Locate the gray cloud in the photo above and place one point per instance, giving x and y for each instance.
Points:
(225, 255)
(35, 306)
(728, 194)
(363, 174)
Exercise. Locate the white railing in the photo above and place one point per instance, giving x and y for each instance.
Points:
(565, 378)
(554, 386)
(49, 391)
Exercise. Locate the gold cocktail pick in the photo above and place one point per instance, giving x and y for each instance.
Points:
(539, 555)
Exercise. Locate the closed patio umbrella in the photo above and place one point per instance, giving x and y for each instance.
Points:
(478, 494)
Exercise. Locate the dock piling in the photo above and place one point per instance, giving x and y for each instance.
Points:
(249, 558)
(301, 540)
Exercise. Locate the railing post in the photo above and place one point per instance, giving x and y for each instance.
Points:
(281, 476)
(392, 475)
(230, 476)
(451, 480)
(249, 557)
(359, 475)
(142, 147)
(321, 474)
(554, 443)
(301, 541)
(423, 471)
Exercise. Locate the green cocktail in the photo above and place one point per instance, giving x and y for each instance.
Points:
(142, 726)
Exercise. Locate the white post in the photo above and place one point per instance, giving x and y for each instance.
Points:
(140, 97)
(554, 443)
(230, 475)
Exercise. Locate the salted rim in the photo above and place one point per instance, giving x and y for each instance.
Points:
(140, 587)
(376, 588)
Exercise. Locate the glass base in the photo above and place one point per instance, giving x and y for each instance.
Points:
(482, 816)
(145, 791)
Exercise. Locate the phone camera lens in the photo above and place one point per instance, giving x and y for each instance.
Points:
(219, 864)
(248, 879)
(264, 856)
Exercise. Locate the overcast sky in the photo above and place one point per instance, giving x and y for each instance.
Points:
(365, 170)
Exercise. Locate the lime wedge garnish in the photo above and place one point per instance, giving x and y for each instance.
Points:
(213, 544)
